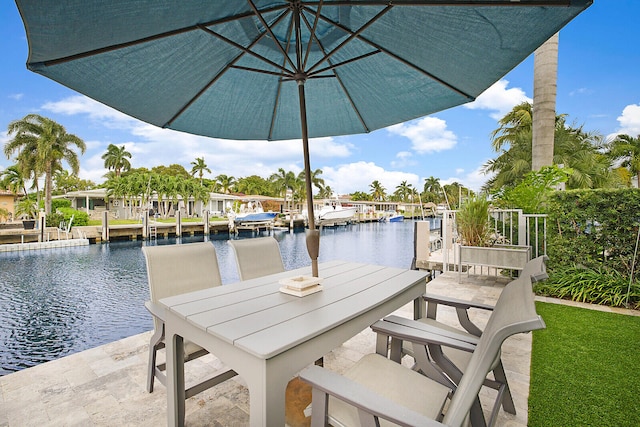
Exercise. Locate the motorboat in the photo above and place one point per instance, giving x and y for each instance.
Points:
(396, 217)
(392, 216)
(334, 213)
(253, 211)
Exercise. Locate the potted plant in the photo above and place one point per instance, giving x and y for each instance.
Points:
(27, 209)
(477, 239)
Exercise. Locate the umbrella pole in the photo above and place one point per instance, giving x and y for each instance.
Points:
(313, 235)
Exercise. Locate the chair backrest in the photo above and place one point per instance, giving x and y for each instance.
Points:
(178, 269)
(257, 257)
(536, 269)
(514, 312)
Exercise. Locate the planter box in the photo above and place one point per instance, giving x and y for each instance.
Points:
(511, 257)
(29, 224)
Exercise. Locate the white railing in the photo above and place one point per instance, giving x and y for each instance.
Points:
(510, 226)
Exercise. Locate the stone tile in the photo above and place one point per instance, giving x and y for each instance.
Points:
(106, 386)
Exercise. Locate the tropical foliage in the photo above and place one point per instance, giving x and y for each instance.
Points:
(39, 146)
(531, 193)
(26, 208)
(472, 222)
(626, 150)
(581, 152)
(117, 158)
(199, 167)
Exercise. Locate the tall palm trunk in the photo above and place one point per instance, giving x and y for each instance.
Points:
(545, 83)
(48, 184)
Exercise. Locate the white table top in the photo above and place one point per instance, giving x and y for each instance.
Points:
(256, 317)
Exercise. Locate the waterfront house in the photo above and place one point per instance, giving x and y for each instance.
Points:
(97, 201)
(7, 201)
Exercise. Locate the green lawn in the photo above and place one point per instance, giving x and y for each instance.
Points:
(585, 369)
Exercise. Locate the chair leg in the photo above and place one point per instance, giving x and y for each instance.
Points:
(155, 343)
(507, 400)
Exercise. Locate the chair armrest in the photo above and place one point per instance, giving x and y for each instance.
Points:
(462, 310)
(330, 383)
(155, 309)
(454, 302)
(419, 333)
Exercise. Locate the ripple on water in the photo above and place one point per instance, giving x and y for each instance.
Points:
(61, 301)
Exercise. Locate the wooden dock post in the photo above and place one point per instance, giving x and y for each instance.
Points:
(105, 226)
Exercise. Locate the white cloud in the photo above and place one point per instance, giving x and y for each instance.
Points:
(16, 96)
(358, 176)
(499, 99)
(473, 180)
(581, 91)
(427, 135)
(630, 120)
(82, 105)
(403, 159)
(151, 146)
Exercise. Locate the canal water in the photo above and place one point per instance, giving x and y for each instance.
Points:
(56, 302)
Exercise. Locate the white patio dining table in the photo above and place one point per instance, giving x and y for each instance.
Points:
(268, 336)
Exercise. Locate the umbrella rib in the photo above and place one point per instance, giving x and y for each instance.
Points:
(337, 77)
(313, 32)
(339, 64)
(247, 50)
(512, 3)
(274, 113)
(219, 75)
(398, 58)
(352, 36)
(268, 29)
(153, 37)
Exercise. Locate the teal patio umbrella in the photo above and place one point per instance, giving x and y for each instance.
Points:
(285, 69)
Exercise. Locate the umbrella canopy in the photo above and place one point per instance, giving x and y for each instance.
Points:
(285, 69)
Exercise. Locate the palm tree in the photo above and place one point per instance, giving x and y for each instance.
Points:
(627, 149)
(316, 181)
(432, 190)
(224, 183)
(13, 180)
(41, 145)
(545, 83)
(574, 148)
(378, 192)
(117, 158)
(283, 181)
(199, 167)
(326, 192)
(403, 191)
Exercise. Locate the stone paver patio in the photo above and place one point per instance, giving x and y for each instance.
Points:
(105, 386)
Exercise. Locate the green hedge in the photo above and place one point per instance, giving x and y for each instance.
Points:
(80, 218)
(594, 228)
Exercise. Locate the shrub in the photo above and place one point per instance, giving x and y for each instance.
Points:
(597, 227)
(596, 286)
(60, 203)
(472, 222)
(54, 219)
(80, 218)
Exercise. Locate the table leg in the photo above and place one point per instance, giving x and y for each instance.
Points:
(175, 379)
(419, 308)
(267, 399)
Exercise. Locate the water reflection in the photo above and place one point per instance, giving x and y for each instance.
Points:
(61, 301)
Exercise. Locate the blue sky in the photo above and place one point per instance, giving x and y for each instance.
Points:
(598, 87)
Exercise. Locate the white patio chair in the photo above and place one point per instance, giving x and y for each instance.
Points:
(446, 359)
(174, 270)
(257, 257)
(379, 391)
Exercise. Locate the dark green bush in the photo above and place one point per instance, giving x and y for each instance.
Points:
(80, 218)
(60, 203)
(596, 286)
(597, 228)
(54, 219)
